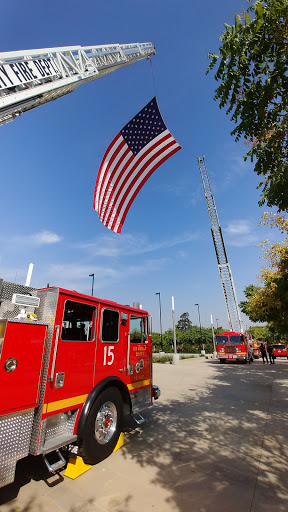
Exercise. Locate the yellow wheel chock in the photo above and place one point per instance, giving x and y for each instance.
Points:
(76, 466)
(120, 442)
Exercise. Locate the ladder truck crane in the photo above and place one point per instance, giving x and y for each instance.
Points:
(234, 344)
(30, 78)
(72, 366)
(229, 291)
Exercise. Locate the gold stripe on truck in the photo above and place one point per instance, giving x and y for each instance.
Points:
(79, 400)
(140, 384)
(63, 404)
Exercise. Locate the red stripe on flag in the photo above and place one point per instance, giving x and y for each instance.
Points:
(123, 217)
(102, 163)
(126, 191)
(104, 205)
(109, 164)
(130, 172)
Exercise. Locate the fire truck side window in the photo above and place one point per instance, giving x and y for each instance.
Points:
(78, 320)
(110, 326)
(138, 329)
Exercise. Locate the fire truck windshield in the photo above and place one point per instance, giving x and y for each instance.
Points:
(236, 340)
(221, 340)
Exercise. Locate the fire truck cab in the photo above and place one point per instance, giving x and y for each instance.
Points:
(69, 377)
(232, 346)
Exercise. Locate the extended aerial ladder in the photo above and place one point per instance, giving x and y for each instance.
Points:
(30, 78)
(234, 318)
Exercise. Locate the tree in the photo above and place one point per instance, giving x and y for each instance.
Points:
(263, 333)
(269, 302)
(184, 324)
(244, 306)
(253, 86)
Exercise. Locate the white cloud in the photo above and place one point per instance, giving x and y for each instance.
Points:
(114, 246)
(239, 227)
(75, 276)
(241, 233)
(45, 237)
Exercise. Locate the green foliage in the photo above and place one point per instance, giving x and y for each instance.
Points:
(156, 340)
(245, 306)
(263, 333)
(269, 303)
(187, 341)
(162, 359)
(184, 324)
(252, 71)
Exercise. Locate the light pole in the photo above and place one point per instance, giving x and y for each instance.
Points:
(92, 275)
(200, 327)
(161, 345)
(174, 331)
(217, 323)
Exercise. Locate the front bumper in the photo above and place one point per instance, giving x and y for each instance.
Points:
(232, 357)
(156, 392)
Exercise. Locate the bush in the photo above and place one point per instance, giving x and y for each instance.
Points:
(162, 359)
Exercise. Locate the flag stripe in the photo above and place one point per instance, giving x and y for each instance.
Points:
(137, 184)
(127, 173)
(104, 163)
(141, 169)
(112, 159)
(116, 177)
(114, 162)
(121, 220)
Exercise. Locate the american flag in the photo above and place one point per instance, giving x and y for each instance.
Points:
(133, 155)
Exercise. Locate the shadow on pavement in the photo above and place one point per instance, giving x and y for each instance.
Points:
(213, 441)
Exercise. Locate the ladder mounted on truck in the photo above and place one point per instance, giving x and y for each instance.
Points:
(235, 322)
(30, 78)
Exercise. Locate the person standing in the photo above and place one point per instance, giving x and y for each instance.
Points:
(263, 352)
(270, 352)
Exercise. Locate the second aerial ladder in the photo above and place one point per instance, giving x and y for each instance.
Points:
(234, 318)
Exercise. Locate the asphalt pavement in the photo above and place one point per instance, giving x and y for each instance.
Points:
(215, 441)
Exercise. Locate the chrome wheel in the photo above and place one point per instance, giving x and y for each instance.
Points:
(106, 422)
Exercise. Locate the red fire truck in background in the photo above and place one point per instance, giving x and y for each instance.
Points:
(255, 346)
(232, 346)
(256, 349)
(69, 377)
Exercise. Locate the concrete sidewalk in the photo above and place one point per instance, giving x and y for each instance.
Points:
(215, 441)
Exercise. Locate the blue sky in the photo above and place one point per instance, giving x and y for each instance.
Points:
(50, 157)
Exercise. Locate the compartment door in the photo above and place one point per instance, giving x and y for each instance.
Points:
(139, 361)
(21, 363)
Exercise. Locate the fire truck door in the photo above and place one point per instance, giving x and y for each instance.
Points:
(72, 369)
(138, 353)
(21, 356)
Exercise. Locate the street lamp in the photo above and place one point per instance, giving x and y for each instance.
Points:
(161, 345)
(217, 323)
(92, 275)
(200, 327)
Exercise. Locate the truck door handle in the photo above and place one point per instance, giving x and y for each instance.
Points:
(59, 380)
(51, 377)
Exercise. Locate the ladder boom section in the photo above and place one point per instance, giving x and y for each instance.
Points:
(226, 278)
(30, 78)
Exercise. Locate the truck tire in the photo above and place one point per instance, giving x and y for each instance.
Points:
(102, 428)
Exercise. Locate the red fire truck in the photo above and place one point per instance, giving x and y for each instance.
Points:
(254, 345)
(232, 346)
(69, 377)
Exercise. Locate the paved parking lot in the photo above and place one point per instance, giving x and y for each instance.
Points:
(215, 441)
